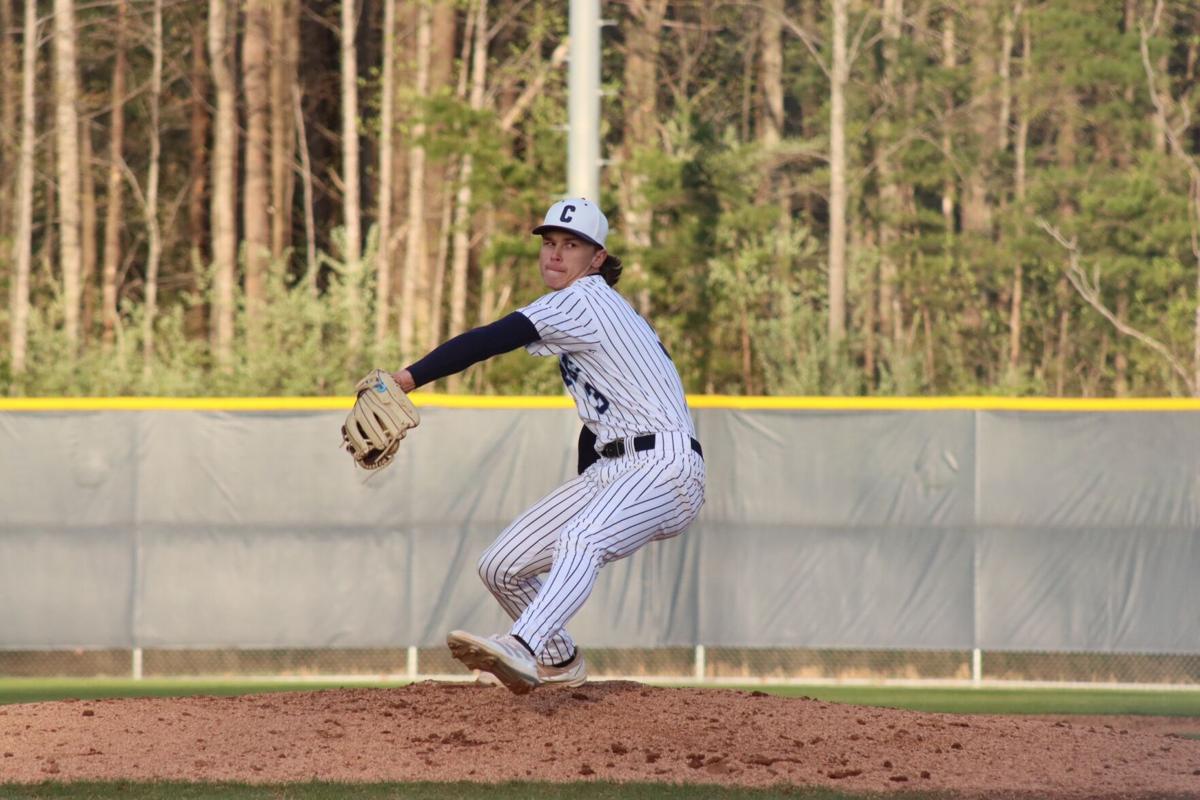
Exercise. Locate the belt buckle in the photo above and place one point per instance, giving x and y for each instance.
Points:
(614, 449)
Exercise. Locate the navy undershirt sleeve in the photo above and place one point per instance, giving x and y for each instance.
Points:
(474, 346)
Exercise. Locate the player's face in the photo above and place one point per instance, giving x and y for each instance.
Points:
(565, 258)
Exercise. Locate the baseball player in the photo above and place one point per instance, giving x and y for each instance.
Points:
(641, 470)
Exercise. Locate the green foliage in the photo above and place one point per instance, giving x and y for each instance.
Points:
(297, 344)
(734, 271)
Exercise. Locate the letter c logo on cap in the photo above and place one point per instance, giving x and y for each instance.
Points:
(566, 215)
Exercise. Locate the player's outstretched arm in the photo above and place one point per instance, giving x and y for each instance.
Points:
(468, 348)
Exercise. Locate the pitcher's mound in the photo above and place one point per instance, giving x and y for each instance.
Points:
(616, 730)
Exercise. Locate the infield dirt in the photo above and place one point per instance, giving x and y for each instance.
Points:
(615, 730)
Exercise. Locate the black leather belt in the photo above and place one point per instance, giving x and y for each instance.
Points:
(616, 448)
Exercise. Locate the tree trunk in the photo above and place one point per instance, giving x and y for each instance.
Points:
(1066, 146)
(771, 130)
(1121, 360)
(284, 36)
(198, 176)
(224, 230)
(770, 125)
(839, 77)
(66, 118)
(949, 62)
(1019, 155)
(404, 78)
(747, 359)
(154, 254)
(114, 199)
(862, 239)
(23, 238)
(87, 265)
(1005, 69)
(976, 210)
(1064, 339)
(749, 86)
(487, 276)
(439, 194)
(462, 208)
(414, 255)
(930, 363)
(640, 111)
(920, 31)
(889, 188)
(256, 191)
(49, 242)
(310, 227)
(9, 91)
(438, 280)
(350, 177)
(1195, 198)
(1159, 127)
(1194, 224)
(387, 120)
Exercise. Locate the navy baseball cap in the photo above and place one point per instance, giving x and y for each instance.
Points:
(578, 216)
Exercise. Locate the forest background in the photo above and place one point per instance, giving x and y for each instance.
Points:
(858, 197)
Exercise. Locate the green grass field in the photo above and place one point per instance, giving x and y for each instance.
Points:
(1183, 703)
(982, 701)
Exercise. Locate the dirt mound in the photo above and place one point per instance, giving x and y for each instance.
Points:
(603, 731)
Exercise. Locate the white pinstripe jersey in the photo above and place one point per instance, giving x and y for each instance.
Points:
(612, 362)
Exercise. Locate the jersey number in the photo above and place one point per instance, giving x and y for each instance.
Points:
(570, 375)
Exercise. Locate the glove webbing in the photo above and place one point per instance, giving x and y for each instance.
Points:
(377, 410)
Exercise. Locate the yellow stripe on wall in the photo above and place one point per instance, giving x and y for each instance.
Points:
(947, 403)
(425, 399)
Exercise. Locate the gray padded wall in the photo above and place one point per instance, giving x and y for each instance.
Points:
(1089, 531)
(865, 529)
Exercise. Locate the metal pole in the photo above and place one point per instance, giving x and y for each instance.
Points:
(583, 105)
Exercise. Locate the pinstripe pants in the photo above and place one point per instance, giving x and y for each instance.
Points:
(613, 509)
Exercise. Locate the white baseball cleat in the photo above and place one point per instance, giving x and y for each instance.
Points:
(503, 656)
(574, 673)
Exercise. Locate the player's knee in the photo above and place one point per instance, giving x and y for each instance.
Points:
(580, 540)
(490, 571)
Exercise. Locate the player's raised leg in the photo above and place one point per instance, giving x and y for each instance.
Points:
(639, 501)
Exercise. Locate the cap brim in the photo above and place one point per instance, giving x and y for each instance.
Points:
(540, 229)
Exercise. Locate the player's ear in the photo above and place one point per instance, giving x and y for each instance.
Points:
(598, 258)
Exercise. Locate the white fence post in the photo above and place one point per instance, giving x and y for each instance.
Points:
(410, 663)
(700, 668)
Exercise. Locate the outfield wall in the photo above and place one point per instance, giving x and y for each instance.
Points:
(876, 525)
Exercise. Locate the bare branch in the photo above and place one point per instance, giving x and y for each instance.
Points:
(1089, 290)
(809, 41)
(1160, 104)
(132, 180)
(533, 89)
(1179, 152)
(857, 40)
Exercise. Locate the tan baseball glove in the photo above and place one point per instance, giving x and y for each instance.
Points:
(381, 416)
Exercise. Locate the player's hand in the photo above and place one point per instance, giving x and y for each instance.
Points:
(405, 380)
